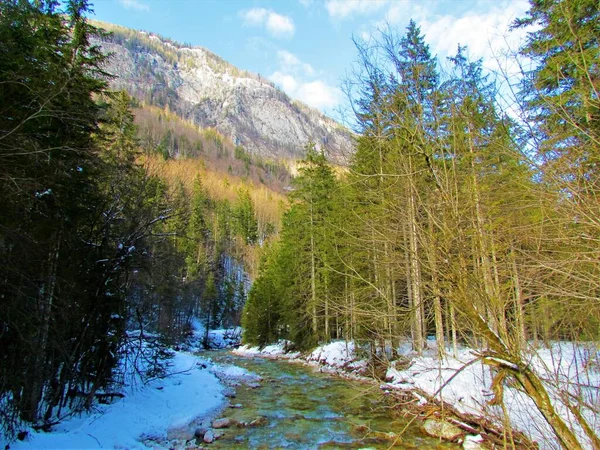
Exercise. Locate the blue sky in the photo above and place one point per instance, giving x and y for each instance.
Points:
(305, 46)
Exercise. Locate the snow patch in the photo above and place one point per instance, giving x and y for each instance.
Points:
(147, 412)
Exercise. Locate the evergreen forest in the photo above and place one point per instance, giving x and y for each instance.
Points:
(462, 219)
(467, 215)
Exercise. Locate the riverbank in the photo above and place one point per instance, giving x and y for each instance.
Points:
(455, 387)
(159, 405)
(147, 412)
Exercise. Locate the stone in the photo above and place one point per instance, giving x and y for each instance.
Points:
(221, 423)
(180, 434)
(441, 429)
(209, 437)
(200, 431)
(258, 422)
(230, 393)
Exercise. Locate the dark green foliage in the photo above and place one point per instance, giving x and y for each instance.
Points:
(286, 297)
(261, 317)
(247, 225)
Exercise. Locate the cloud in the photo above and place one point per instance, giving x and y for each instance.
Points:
(290, 63)
(485, 33)
(276, 24)
(343, 9)
(297, 79)
(287, 82)
(134, 4)
(319, 94)
(482, 28)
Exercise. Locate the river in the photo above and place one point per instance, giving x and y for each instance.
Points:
(305, 409)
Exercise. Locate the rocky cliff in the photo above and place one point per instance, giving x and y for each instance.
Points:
(203, 88)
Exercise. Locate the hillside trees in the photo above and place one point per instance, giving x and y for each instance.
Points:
(293, 292)
(93, 245)
(70, 224)
(457, 221)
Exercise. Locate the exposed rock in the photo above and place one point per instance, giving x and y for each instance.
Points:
(258, 422)
(229, 393)
(199, 432)
(221, 423)
(441, 429)
(203, 88)
(209, 436)
(180, 434)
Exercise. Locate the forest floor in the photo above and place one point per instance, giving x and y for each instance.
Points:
(460, 385)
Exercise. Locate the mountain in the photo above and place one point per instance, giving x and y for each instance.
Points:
(203, 88)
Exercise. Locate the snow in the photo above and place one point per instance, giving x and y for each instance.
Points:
(148, 411)
(278, 350)
(234, 375)
(335, 354)
(464, 381)
(224, 338)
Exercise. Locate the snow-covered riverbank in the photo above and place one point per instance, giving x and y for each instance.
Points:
(149, 411)
(464, 382)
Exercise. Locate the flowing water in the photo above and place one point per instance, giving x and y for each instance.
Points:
(305, 409)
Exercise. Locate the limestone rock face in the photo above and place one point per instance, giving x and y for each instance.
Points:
(203, 88)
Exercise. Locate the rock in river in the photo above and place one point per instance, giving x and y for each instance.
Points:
(209, 437)
(221, 423)
(441, 429)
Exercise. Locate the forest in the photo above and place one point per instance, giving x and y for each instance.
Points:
(458, 221)
(106, 235)
(462, 218)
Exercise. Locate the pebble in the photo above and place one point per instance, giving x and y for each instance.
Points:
(221, 423)
(209, 437)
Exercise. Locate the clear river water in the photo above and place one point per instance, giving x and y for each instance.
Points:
(305, 409)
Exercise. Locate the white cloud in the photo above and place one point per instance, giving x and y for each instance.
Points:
(485, 33)
(134, 4)
(319, 95)
(296, 78)
(482, 28)
(287, 82)
(276, 24)
(280, 25)
(342, 9)
(290, 63)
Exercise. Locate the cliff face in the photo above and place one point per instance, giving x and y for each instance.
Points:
(201, 87)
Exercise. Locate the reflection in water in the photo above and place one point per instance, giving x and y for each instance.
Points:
(305, 409)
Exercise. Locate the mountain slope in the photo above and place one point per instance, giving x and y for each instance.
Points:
(203, 88)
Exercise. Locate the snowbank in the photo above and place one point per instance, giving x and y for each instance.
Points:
(335, 354)
(146, 412)
(278, 350)
(234, 375)
(464, 381)
(224, 338)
